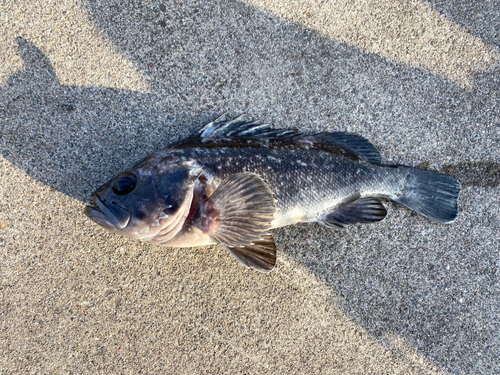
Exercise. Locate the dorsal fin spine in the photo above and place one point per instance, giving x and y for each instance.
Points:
(239, 128)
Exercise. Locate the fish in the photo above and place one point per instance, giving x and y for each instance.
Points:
(235, 180)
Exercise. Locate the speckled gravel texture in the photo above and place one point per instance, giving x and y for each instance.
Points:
(88, 88)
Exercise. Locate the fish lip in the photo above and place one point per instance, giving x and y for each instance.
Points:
(96, 215)
(105, 217)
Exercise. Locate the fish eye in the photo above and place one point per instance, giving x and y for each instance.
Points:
(124, 184)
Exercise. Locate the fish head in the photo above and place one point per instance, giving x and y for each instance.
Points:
(145, 203)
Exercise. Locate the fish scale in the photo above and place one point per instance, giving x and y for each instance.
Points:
(234, 181)
(318, 184)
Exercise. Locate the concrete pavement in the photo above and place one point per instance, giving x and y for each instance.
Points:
(90, 87)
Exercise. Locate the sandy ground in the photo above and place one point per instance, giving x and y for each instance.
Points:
(87, 88)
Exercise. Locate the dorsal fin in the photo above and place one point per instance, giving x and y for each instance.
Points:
(355, 143)
(240, 128)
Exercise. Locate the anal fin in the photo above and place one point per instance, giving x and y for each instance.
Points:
(360, 211)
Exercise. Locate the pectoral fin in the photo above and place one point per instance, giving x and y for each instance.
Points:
(239, 215)
(360, 211)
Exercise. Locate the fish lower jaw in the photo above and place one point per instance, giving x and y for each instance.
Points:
(99, 217)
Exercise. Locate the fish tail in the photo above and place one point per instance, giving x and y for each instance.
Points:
(431, 194)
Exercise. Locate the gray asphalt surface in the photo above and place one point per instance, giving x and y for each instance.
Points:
(89, 88)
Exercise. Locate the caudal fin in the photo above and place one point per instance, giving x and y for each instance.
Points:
(431, 194)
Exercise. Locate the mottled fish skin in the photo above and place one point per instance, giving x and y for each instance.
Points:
(235, 180)
(306, 183)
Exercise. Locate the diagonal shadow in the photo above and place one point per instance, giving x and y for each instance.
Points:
(409, 32)
(57, 133)
(73, 138)
(479, 18)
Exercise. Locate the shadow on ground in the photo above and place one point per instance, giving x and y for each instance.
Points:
(479, 19)
(200, 65)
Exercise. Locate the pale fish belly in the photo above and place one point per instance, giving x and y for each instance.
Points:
(345, 182)
(307, 184)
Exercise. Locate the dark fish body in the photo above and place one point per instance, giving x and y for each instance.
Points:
(234, 181)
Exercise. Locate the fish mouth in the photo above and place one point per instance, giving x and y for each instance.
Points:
(112, 216)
